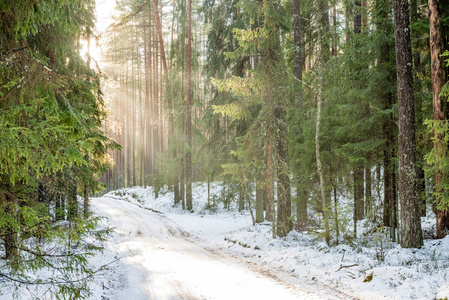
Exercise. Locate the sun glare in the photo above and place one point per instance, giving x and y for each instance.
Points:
(104, 13)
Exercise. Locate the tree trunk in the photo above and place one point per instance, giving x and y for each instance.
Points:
(383, 25)
(146, 168)
(324, 57)
(284, 212)
(319, 167)
(269, 182)
(438, 110)
(418, 108)
(357, 17)
(86, 200)
(337, 226)
(133, 111)
(241, 198)
(72, 209)
(159, 31)
(59, 208)
(10, 239)
(411, 234)
(334, 189)
(368, 194)
(259, 203)
(301, 209)
(189, 112)
(359, 205)
(155, 96)
(301, 198)
(297, 40)
(358, 212)
(335, 34)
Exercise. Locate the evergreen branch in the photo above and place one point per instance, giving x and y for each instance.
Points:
(126, 18)
(24, 230)
(38, 254)
(8, 93)
(56, 282)
(6, 50)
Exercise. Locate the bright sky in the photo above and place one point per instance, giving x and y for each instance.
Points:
(104, 11)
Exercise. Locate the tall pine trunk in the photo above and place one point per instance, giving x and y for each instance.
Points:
(418, 108)
(358, 212)
(324, 57)
(438, 111)
(411, 234)
(189, 204)
(319, 166)
(259, 202)
(301, 198)
(269, 205)
(284, 212)
(86, 200)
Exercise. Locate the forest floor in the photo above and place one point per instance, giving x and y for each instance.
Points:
(161, 259)
(300, 265)
(160, 251)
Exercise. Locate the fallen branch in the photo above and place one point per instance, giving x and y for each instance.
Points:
(342, 267)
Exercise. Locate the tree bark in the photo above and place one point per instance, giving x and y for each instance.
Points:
(297, 40)
(358, 213)
(259, 203)
(418, 108)
(383, 25)
(269, 182)
(319, 167)
(368, 194)
(359, 205)
(86, 200)
(284, 212)
(301, 202)
(438, 110)
(159, 31)
(189, 111)
(241, 197)
(147, 132)
(357, 17)
(324, 57)
(10, 239)
(133, 136)
(411, 233)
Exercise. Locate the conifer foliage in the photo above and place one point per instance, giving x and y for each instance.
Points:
(51, 143)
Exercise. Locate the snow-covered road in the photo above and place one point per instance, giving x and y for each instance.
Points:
(162, 261)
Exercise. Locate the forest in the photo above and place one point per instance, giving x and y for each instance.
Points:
(313, 116)
(291, 105)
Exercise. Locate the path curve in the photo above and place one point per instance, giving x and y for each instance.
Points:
(165, 262)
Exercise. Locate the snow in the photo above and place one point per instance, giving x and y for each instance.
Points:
(163, 262)
(403, 274)
(166, 252)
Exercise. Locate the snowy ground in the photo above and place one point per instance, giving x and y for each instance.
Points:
(168, 253)
(371, 268)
